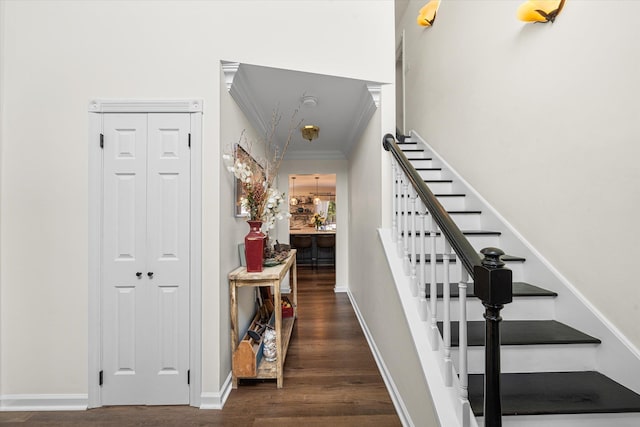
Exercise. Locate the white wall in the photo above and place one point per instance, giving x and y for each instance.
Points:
(543, 121)
(370, 280)
(57, 55)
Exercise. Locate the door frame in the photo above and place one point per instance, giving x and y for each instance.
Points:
(96, 109)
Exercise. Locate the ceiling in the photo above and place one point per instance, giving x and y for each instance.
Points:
(343, 109)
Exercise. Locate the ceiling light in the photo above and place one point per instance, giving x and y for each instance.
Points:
(317, 200)
(310, 132)
(309, 101)
(293, 201)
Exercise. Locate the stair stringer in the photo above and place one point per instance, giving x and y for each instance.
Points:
(616, 357)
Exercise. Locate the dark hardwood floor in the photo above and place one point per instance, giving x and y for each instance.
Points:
(330, 379)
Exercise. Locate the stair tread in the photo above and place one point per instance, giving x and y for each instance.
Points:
(520, 289)
(539, 393)
(412, 150)
(523, 332)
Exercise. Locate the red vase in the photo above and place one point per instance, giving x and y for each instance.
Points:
(254, 247)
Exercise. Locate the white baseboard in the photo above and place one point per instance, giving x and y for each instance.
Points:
(216, 400)
(396, 398)
(44, 402)
(341, 288)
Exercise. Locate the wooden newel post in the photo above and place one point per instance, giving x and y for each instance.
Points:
(493, 284)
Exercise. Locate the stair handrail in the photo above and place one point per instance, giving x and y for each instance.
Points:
(461, 246)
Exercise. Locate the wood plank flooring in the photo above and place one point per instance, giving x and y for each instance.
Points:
(330, 379)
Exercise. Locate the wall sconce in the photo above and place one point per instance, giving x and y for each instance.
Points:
(427, 14)
(310, 132)
(540, 10)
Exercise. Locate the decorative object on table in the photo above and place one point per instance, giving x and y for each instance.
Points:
(254, 247)
(277, 255)
(259, 199)
(427, 14)
(318, 220)
(242, 254)
(540, 10)
(270, 349)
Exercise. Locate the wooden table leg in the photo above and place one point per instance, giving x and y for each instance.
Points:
(234, 328)
(277, 303)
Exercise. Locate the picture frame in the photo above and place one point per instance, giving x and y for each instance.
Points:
(243, 155)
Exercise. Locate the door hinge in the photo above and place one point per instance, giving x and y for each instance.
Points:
(100, 378)
(189, 140)
(189, 377)
(101, 140)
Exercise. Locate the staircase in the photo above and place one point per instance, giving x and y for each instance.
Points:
(562, 363)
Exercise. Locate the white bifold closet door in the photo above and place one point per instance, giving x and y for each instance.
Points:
(145, 259)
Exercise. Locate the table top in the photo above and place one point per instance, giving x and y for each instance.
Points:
(276, 272)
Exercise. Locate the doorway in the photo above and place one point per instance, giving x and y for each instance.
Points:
(144, 282)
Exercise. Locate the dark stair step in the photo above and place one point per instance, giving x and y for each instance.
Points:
(412, 150)
(546, 393)
(452, 258)
(428, 169)
(523, 332)
(441, 195)
(520, 289)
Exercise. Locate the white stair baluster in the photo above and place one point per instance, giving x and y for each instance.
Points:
(433, 285)
(405, 227)
(446, 321)
(420, 288)
(412, 207)
(463, 370)
(395, 197)
(401, 204)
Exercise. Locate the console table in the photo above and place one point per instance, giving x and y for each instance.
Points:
(269, 276)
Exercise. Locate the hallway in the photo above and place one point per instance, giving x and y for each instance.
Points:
(330, 378)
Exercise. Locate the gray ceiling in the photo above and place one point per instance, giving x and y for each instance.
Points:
(344, 107)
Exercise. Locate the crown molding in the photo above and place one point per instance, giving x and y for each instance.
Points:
(229, 69)
(241, 92)
(376, 92)
(145, 106)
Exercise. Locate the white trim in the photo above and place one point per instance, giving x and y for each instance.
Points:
(229, 69)
(43, 402)
(194, 107)
(396, 398)
(342, 288)
(216, 400)
(145, 106)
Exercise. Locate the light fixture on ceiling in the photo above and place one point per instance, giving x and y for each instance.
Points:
(309, 101)
(310, 132)
(292, 200)
(317, 200)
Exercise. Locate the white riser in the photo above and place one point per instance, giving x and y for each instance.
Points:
(522, 308)
(453, 203)
(467, 221)
(454, 272)
(440, 187)
(422, 163)
(431, 174)
(479, 242)
(570, 420)
(534, 358)
(463, 221)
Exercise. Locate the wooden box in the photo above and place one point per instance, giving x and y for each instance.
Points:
(248, 354)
